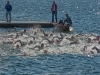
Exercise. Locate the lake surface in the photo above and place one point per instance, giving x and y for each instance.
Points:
(63, 53)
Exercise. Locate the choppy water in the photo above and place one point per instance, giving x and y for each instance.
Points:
(62, 53)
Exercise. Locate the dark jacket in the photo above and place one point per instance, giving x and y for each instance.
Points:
(56, 7)
(8, 7)
(68, 20)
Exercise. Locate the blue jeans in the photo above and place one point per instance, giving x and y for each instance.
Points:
(8, 14)
(54, 13)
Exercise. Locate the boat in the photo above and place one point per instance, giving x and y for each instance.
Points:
(67, 28)
(63, 28)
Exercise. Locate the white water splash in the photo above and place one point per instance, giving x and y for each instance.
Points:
(37, 41)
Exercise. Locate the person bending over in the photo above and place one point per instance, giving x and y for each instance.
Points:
(68, 21)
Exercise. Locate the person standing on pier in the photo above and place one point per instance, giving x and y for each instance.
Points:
(54, 9)
(8, 8)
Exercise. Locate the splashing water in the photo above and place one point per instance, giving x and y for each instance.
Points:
(38, 41)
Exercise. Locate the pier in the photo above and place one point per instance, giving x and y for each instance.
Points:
(24, 24)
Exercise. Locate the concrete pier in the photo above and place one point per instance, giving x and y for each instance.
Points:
(24, 24)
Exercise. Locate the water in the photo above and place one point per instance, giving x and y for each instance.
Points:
(63, 56)
(50, 65)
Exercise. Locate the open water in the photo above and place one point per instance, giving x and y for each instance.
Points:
(36, 51)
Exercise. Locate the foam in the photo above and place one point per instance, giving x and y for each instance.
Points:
(37, 41)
